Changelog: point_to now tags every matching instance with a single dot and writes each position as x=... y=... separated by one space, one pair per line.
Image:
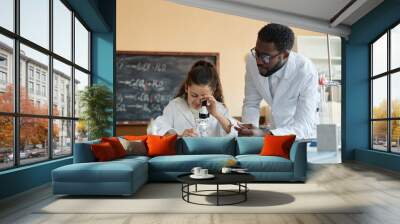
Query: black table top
x=220 y=178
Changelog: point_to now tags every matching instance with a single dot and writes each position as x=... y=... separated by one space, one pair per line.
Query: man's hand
x=245 y=129
x=189 y=133
x=249 y=130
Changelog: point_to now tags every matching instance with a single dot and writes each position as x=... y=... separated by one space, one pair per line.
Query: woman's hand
x=211 y=105
x=189 y=133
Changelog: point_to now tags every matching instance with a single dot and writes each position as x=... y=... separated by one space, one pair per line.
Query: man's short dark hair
x=282 y=36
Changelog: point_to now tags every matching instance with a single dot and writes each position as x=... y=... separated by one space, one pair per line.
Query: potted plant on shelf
x=96 y=104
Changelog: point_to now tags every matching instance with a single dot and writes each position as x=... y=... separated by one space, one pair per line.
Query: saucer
x=208 y=176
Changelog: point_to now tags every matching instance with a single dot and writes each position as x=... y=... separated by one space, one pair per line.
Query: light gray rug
x=166 y=198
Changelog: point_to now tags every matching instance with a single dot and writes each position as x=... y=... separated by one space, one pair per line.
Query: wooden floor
x=377 y=188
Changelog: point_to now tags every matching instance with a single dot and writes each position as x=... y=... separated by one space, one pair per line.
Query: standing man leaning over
x=287 y=81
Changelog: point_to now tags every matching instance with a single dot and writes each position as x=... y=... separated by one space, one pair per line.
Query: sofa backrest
x=206 y=145
x=83 y=153
x=249 y=145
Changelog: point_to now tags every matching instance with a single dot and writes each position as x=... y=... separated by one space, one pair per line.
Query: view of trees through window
x=385 y=92
x=40 y=82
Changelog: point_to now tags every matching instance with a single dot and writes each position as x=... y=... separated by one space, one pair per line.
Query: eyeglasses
x=265 y=58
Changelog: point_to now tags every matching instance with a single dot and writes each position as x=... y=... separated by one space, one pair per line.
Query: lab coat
x=177 y=117
x=294 y=105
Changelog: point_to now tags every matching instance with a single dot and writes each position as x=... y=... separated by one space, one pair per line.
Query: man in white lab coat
x=287 y=81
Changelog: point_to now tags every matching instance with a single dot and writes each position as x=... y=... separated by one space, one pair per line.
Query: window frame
x=388 y=74
x=16 y=114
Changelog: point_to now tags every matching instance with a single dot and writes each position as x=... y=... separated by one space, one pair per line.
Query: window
x=37 y=74
x=6 y=73
x=62 y=31
x=34 y=21
x=81 y=45
x=6 y=142
x=3 y=73
x=3 y=61
x=40 y=82
x=44 y=77
x=385 y=94
x=30 y=72
x=30 y=87
x=38 y=89
x=43 y=90
x=81 y=81
x=7 y=14
x=62 y=74
x=3 y=78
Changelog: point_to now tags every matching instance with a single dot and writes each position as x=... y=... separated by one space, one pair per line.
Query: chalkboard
x=147 y=81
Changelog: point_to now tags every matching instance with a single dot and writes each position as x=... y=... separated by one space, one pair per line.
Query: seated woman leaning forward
x=182 y=113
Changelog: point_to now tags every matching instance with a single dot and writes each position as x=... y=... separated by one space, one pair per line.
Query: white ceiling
x=314 y=15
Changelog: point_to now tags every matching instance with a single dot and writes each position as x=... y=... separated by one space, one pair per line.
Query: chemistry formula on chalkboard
x=147 y=81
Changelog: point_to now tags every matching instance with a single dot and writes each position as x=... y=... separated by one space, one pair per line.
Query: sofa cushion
x=103 y=152
x=185 y=163
x=116 y=145
x=257 y=163
x=207 y=145
x=135 y=137
x=249 y=145
x=130 y=158
x=277 y=145
x=111 y=171
x=161 y=145
x=134 y=147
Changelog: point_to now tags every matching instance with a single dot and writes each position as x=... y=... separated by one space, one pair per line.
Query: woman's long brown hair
x=203 y=73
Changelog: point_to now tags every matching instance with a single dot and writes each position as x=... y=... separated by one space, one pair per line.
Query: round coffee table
x=238 y=179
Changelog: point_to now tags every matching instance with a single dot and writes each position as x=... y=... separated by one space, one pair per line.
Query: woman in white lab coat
x=179 y=116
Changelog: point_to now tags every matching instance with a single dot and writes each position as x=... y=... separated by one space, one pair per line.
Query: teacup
x=203 y=172
x=226 y=170
x=196 y=170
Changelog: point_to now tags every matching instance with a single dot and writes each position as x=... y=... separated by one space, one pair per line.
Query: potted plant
x=96 y=104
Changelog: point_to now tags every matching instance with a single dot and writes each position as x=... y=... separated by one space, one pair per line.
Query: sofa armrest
x=83 y=152
x=298 y=155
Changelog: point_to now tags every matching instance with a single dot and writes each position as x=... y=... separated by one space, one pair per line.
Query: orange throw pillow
x=161 y=145
x=277 y=145
x=103 y=151
x=116 y=145
x=134 y=138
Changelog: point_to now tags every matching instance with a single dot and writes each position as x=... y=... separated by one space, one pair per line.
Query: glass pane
x=33 y=139
x=7 y=14
x=62 y=29
x=81 y=45
x=336 y=57
x=81 y=81
x=395 y=94
x=6 y=142
x=379 y=98
x=395 y=47
x=62 y=89
x=395 y=136
x=379 y=135
x=62 y=138
x=6 y=74
x=81 y=131
x=379 y=55
x=34 y=97
x=35 y=21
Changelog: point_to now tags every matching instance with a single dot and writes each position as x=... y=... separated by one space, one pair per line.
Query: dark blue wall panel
x=356 y=85
x=24 y=178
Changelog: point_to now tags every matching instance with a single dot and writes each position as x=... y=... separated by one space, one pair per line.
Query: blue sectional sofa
x=125 y=176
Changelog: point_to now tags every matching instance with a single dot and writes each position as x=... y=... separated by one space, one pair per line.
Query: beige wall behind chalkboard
x=159 y=25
